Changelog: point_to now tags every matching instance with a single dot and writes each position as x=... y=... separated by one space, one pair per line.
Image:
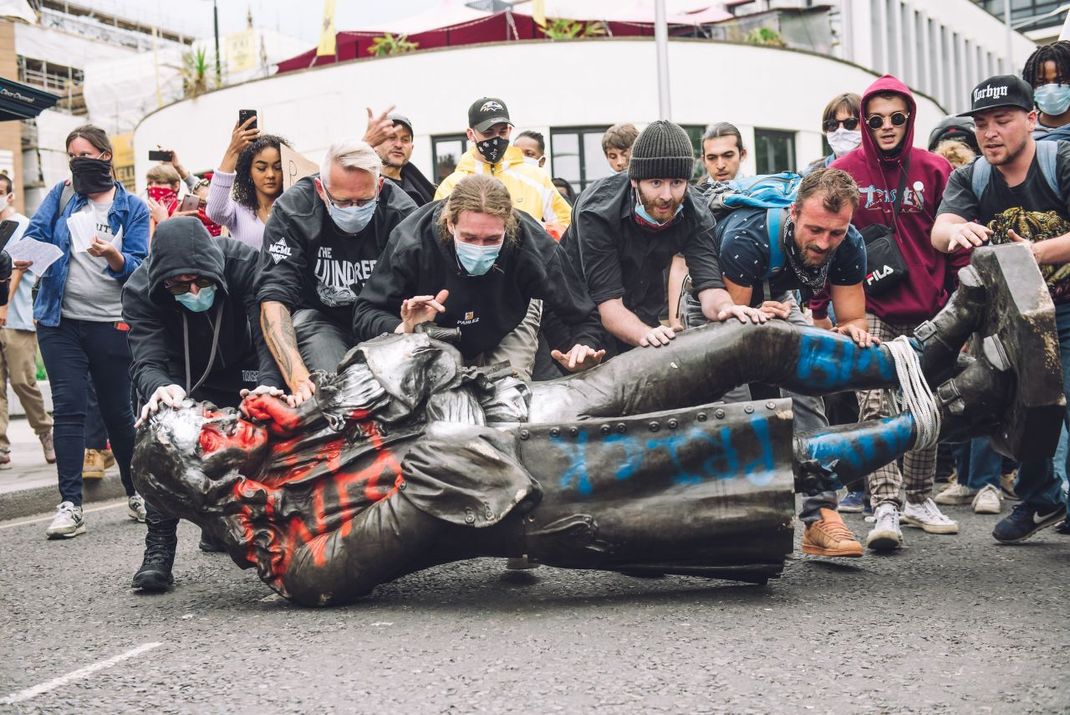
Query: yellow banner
x=328 y=45
x=538 y=12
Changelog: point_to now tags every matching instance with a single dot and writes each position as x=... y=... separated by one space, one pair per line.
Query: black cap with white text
x=1003 y=90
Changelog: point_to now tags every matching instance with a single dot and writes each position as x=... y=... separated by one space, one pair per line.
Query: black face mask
x=493 y=149
x=91 y=176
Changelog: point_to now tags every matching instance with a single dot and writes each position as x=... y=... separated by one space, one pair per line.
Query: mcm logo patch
x=279 y=250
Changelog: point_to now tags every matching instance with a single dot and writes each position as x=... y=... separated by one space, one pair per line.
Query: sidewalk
x=30 y=486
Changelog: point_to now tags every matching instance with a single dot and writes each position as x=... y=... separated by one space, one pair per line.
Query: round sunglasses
x=850 y=124
x=877 y=121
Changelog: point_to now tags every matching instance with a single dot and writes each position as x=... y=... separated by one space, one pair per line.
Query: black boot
x=154 y=575
x=209 y=544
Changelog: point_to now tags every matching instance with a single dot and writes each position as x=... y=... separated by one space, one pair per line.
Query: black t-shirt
x=308 y=262
x=743 y=253
x=1033 y=194
x=620 y=259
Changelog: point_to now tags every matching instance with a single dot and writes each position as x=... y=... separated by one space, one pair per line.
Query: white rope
x=917 y=398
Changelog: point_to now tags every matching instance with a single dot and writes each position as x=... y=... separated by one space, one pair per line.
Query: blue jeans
x=96 y=437
x=74 y=352
x=977 y=464
x=1038 y=486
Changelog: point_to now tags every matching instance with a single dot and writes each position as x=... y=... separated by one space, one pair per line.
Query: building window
x=774 y=151
x=694 y=133
x=576 y=156
x=446 y=152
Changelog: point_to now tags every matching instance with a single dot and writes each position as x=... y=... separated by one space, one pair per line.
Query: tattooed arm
x=282 y=342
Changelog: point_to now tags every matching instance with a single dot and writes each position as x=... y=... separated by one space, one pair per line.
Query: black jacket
x=619 y=259
x=308 y=262
x=415 y=184
x=486 y=308
x=183 y=246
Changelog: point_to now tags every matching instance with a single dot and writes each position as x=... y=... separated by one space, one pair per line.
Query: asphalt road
x=950 y=624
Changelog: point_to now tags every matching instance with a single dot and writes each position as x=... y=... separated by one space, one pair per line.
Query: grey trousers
x=808 y=411
x=321 y=341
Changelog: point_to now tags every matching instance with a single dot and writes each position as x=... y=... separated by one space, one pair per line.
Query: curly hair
x=244 y=192
x=1057 y=52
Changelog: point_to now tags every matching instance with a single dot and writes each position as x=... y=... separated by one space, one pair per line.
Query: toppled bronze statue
x=405 y=458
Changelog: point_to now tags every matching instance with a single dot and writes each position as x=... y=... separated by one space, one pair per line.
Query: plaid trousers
x=919 y=466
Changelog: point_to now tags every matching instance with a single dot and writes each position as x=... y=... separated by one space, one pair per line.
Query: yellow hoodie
x=529 y=186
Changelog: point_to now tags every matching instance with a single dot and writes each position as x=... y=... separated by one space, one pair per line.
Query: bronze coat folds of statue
x=405 y=458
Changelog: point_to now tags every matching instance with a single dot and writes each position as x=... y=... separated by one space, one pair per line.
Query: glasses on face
x=346 y=203
x=876 y=121
x=176 y=287
x=850 y=124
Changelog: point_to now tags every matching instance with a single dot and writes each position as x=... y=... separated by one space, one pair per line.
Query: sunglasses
x=180 y=287
x=877 y=121
x=850 y=124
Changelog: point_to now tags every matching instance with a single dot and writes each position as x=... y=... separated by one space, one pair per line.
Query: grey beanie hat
x=662 y=151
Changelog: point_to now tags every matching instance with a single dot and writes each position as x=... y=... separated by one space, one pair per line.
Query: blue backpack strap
x=982 y=172
x=774 y=222
x=1047 y=153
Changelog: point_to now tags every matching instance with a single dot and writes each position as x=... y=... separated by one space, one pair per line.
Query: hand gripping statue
x=406 y=459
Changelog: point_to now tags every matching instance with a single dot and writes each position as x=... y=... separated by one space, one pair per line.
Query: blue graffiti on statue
x=871 y=444
x=831 y=363
x=620 y=457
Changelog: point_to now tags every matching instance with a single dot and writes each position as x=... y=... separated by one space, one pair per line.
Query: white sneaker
x=956 y=494
x=988 y=501
x=927 y=517
x=135 y=508
x=67 y=523
x=885 y=535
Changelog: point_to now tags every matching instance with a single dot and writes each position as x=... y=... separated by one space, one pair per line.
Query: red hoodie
x=923 y=292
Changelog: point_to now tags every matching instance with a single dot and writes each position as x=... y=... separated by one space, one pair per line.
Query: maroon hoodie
x=923 y=292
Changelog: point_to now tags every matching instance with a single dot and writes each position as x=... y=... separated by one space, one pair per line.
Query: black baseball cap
x=1004 y=90
x=401 y=119
x=486 y=112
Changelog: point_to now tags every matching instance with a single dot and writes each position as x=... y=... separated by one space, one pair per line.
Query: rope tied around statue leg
x=914 y=394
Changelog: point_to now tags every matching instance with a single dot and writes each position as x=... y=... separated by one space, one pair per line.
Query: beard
x=661 y=210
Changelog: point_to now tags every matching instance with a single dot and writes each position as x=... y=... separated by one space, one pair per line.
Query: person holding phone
x=247 y=182
x=78 y=311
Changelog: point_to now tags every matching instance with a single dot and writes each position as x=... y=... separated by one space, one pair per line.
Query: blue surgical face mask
x=354 y=218
x=642 y=213
x=477 y=260
x=1052 y=99
x=200 y=302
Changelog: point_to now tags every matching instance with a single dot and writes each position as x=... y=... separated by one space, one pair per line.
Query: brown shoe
x=830 y=537
x=93 y=465
x=48 y=447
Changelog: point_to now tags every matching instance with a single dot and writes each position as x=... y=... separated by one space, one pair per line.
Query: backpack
x=1047 y=152
x=65 y=197
x=772 y=192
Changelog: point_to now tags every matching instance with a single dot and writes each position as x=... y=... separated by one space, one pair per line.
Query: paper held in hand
x=82 y=228
x=42 y=254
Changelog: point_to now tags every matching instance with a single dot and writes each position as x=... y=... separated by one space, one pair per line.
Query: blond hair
x=956 y=152
x=163 y=174
x=480 y=194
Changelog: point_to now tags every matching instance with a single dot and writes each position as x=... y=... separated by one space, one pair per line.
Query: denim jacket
x=49 y=224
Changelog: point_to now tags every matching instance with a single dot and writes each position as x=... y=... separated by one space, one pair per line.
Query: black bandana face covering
x=493 y=149
x=91 y=176
x=813 y=278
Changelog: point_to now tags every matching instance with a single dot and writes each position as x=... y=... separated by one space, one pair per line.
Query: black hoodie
x=308 y=262
x=182 y=246
x=485 y=308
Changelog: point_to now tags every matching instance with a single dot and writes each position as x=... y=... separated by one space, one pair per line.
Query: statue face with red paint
x=220 y=439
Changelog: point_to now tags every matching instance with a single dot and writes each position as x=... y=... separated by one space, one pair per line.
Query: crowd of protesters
x=218 y=286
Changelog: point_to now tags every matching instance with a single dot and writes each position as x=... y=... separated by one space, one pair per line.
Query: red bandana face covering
x=162 y=195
